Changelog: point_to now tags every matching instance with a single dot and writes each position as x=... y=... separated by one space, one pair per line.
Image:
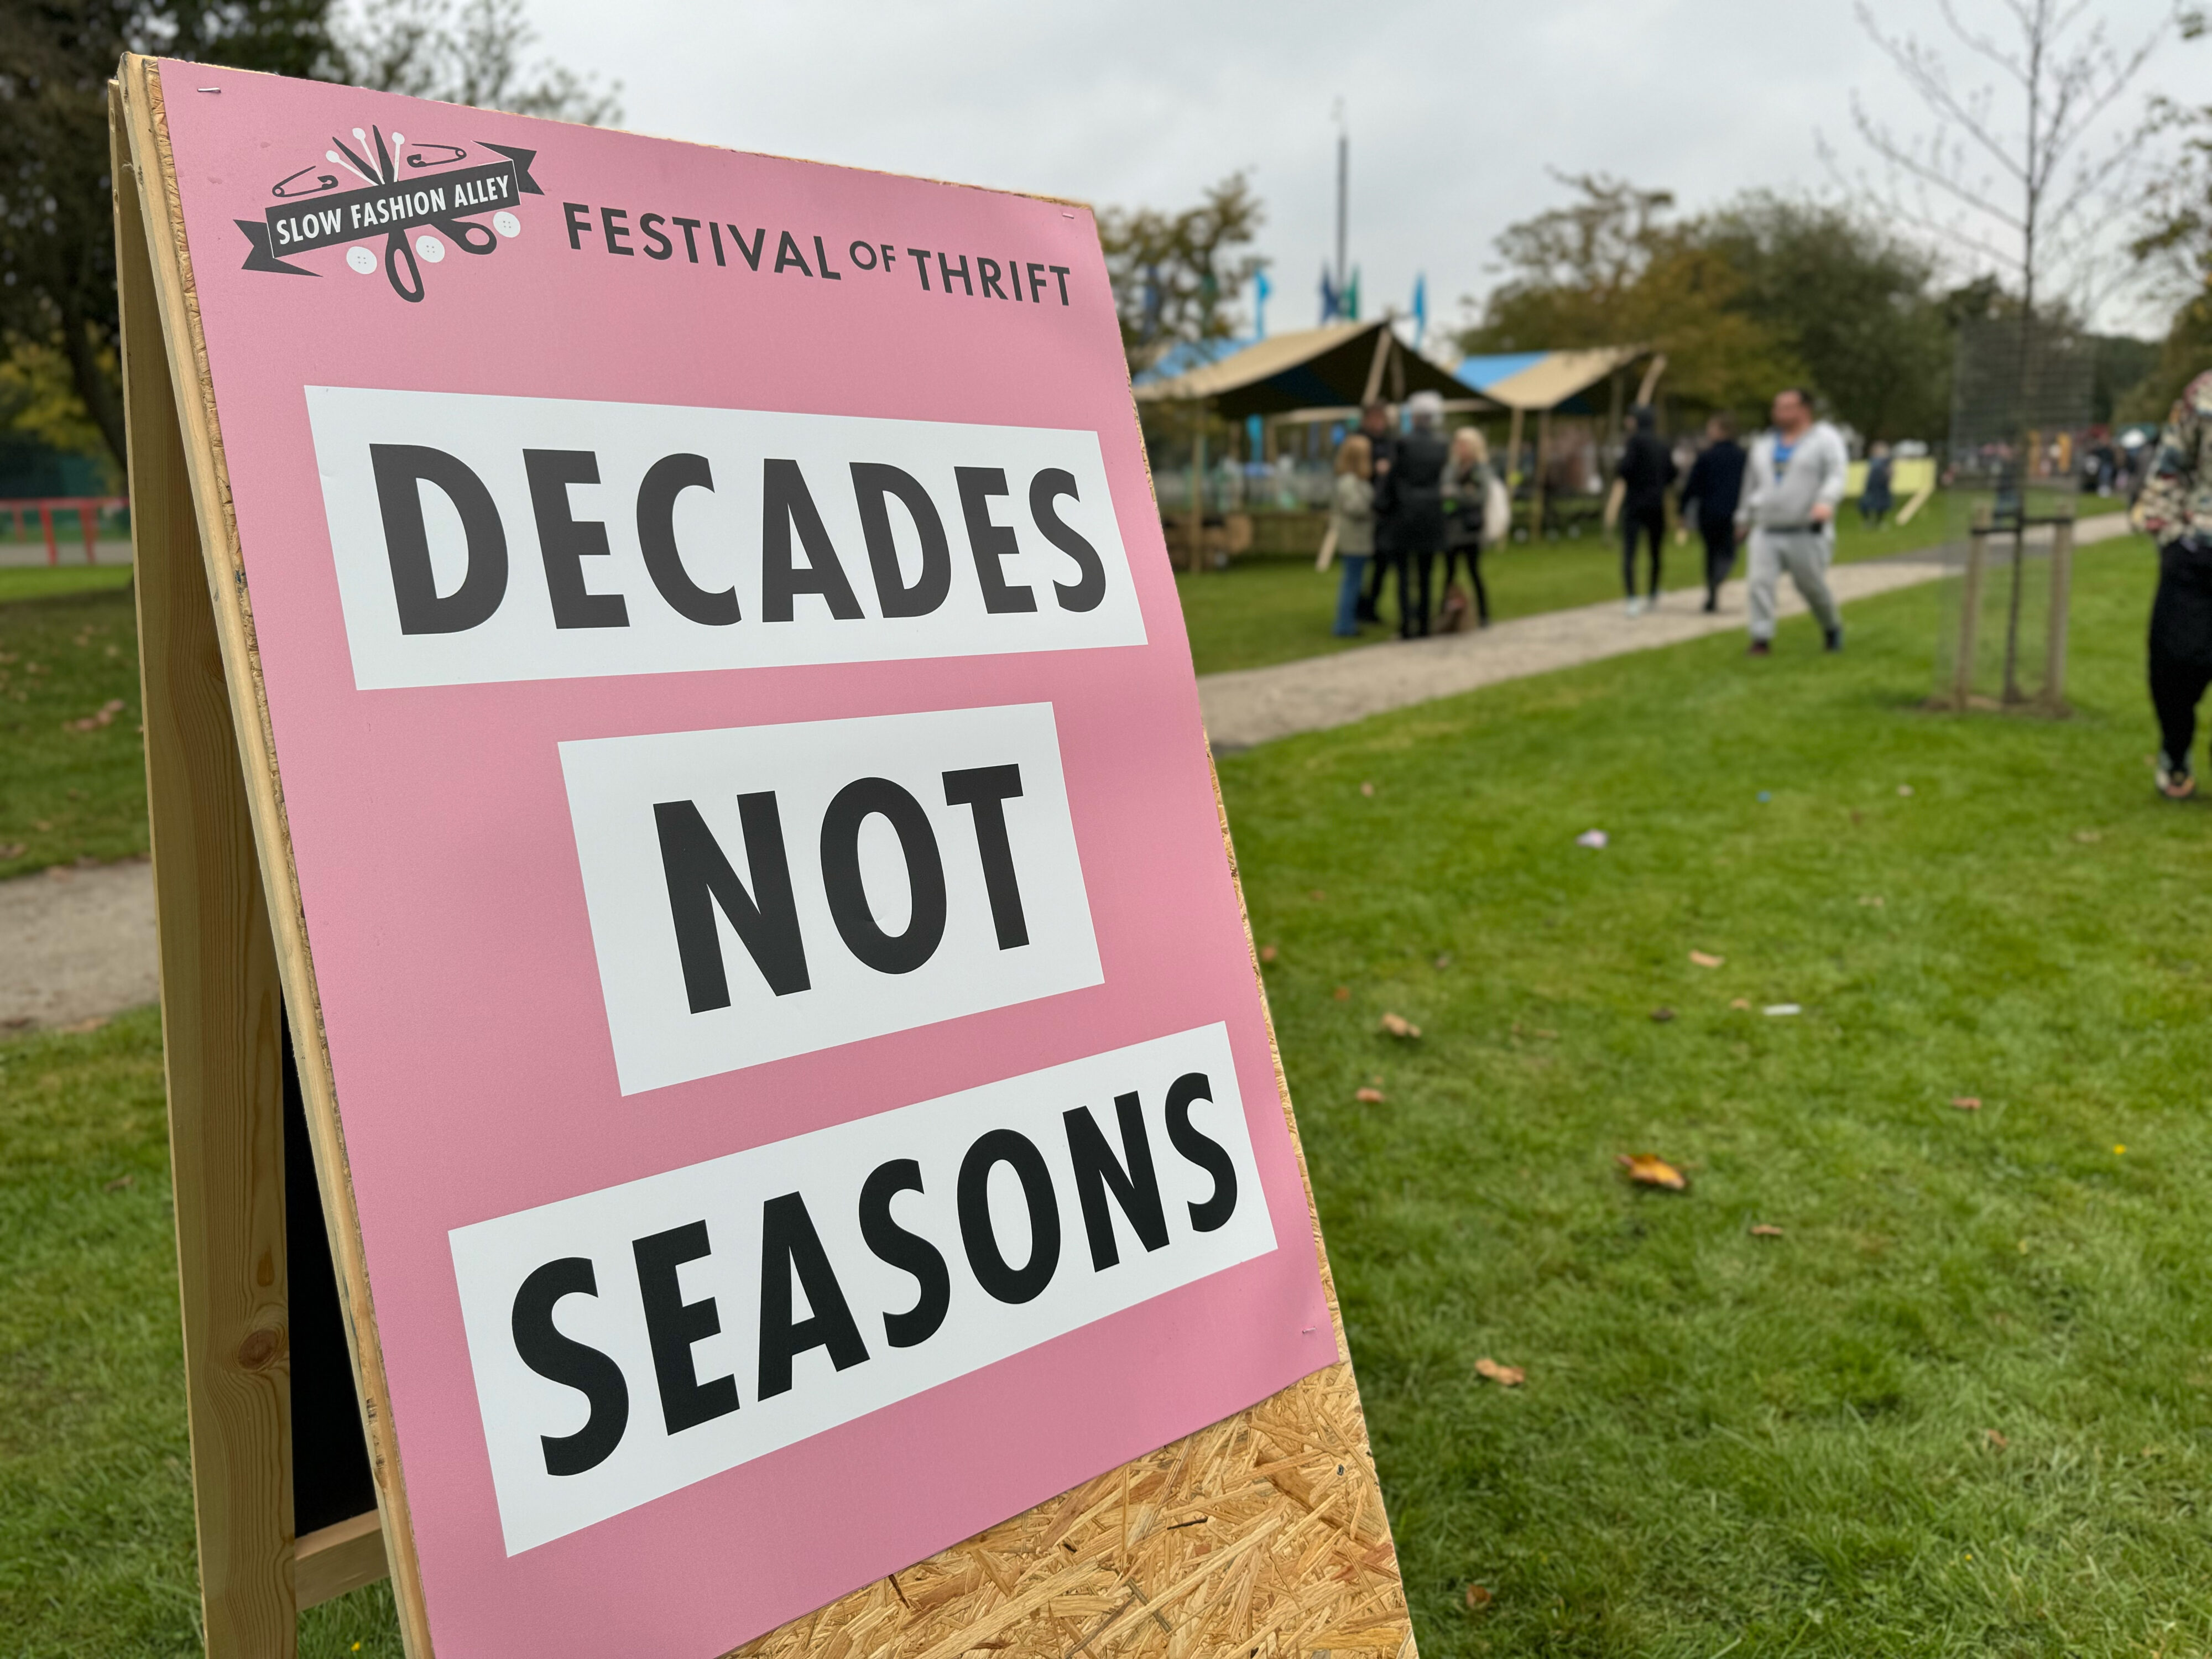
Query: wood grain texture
x=1264 y=1535
x=169 y=258
x=220 y=1018
x=331 y=1560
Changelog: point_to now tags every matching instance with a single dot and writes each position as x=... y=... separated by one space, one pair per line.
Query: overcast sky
x=1459 y=114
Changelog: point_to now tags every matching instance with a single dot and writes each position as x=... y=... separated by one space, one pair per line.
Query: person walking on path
x=2175 y=510
x=1466 y=500
x=1789 y=514
x=1377 y=426
x=1714 y=488
x=1645 y=468
x=1351 y=515
x=1416 y=511
x=1875 y=497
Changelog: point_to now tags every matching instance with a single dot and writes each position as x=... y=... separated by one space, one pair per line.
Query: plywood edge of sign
x=153 y=166
x=1264 y=1535
x=222 y=1015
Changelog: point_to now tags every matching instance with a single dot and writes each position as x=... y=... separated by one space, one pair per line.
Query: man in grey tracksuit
x=1788 y=512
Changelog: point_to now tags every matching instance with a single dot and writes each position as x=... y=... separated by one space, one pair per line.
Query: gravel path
x=78 y=944
x=1254 y=705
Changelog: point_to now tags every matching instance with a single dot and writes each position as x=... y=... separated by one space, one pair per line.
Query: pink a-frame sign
x=801 y=1078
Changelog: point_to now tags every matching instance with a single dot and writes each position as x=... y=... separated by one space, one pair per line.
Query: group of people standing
x=1402 y=500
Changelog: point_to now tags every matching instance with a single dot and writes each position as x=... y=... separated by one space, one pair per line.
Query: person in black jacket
x=1716 y=484
x=1417 y=510
x=1382 y=434
x=1645 y=468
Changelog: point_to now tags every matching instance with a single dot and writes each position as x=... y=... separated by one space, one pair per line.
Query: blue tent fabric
x=1484 y=372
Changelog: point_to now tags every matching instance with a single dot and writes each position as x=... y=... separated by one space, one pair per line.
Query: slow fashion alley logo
x=415 y=203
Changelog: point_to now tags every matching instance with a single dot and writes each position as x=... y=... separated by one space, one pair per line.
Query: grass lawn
x=1264 y=611
x=67 y=792
x=1961 y=1406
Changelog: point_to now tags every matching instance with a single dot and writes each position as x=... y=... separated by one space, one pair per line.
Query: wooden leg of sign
x=251 y=753
x=221 y=1022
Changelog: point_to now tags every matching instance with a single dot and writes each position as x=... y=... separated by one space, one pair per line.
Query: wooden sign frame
x=1263 y=1534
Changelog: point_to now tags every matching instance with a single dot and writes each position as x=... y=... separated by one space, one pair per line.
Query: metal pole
x=1197 y=486
x=1343 y=193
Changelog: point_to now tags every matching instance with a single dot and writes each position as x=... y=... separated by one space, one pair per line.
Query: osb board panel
x=1264 y=1535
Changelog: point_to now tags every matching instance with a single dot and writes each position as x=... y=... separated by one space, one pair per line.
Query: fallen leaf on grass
x=1506 y=1377
x=104 y=716
x=1997 y=1440
x=1444 y=961
x=13 y=849
x=1662 y=1015
x=1317 y=896
x=1742 y=1002
x=1967 y=1102
x=1344 y=994
x=1398 y=1026
x=2089 y=837
x=1548 y=1036
x=1592 y=839
x=1904 y=788
x=1367 y=789
x=1477 y=1598
x=1874 y=901
x=1368 y=1096
x=1705 y=959
x=1649 y=1170
x=120 y=1183
x=1267 y=953
x=1766 y=1229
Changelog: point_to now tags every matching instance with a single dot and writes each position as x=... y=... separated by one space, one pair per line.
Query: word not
x=770 y=890
x=488 y=539
x=630 y=1341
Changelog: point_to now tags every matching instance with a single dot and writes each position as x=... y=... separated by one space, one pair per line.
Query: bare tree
x=2019 y=165
x=465 y=51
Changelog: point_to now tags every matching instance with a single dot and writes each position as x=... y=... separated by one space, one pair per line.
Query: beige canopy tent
x=1542 y=381
x=1314 y=375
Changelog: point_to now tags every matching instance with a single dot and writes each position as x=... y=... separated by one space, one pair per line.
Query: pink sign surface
x=806 y=1094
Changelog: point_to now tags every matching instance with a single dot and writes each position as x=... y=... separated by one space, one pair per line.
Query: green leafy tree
x=1177 y=276
x=1855 y=303
x=1610 y=268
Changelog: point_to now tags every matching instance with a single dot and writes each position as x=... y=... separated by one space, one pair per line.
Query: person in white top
x=1789 y=515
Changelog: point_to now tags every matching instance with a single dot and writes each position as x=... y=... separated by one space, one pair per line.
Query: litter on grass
x=1782 y=1010
x=1506 y=1377
x=1398 y=1026
x=1592 y=839
x=1704 y=959
x=1649 y=1170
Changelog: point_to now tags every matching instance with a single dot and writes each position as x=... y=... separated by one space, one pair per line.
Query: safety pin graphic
x=449 y=154
x=323 y=182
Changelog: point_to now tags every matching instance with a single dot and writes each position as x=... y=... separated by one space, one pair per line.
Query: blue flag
x=1329 y=297
x=1261 y=289
x=1420 y=308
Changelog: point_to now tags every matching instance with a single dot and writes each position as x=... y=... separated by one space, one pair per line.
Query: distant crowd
x=1407 y=500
